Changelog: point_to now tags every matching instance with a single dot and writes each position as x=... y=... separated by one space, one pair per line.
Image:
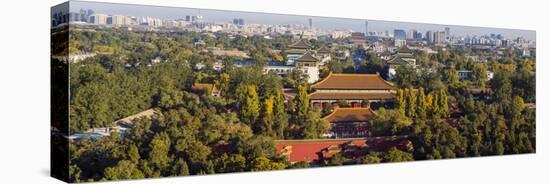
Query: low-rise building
x=356 y=90
x=349 y=122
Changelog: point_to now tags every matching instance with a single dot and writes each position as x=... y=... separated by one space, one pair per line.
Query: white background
x=24 y=90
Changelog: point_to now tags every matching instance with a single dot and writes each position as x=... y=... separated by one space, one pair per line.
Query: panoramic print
x=148 y=91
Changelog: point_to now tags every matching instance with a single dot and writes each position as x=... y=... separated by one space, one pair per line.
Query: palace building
x=302 y=56
x=403 y=57
x=349 y=122
x=320 y=151
x=314 y=150
x=356 y=90
x=297 y=50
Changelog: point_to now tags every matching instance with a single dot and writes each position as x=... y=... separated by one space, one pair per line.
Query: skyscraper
x=417 y=35
x=100 y=19
x=399 y=34
x=448 y=33
x=429 y=36
x=310 y=23
x=439 y=37
x=238 y=21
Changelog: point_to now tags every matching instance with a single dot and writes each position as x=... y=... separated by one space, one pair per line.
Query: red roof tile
x=309 y=150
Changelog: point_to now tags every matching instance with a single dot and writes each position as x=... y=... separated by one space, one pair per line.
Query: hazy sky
x=273 y=19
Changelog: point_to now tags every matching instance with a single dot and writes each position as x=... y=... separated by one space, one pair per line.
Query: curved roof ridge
x=321 y=81
x=348 y=108
x=353 y=81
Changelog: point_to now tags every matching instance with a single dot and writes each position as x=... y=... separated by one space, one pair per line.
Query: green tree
x=400 y=103
x=159 y=154
x=125 y=169
x=232 y=163
x=479 y=75
x=421 y=107
x=280 y=116
x=265 y=125
x=336 y=159
x=250 y=108
x=396 y=155
x=335 y=66
x=180 y=168
x=442 y=103
x=264 y=164
x=501 y=84
x=451 y=77
x=410 y=103
x=302 y=105
x=372 y=158
x=314 y=126
x=133 y=153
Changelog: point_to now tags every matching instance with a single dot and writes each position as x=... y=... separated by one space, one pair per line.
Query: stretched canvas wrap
x=147 y=91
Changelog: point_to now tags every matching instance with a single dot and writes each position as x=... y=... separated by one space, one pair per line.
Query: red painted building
x=349 y=122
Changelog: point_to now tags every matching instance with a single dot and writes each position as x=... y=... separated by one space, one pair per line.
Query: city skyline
x=325 y=23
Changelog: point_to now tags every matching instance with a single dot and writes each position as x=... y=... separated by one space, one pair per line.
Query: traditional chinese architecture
x=307 y=60
x=297 y=50
x=349 y=122
x=403 y=57
x=318 y=151
x=302 y=56
x=356 y=90
x=313 y=150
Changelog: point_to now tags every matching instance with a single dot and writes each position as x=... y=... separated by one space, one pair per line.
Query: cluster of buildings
x=302 y=56
x=353 y=98
x=90 y=17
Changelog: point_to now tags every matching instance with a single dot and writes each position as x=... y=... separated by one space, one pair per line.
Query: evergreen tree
x=159 y=154
x=410 y=101
x=314 y=126
x=302 y=105
x=265 y=125
x=280 y=121
x=421 y=107
x=123 y=170
x=400 y=104
x=429 y=105
x=442 y=103
x=250 y=108
x=396 y=155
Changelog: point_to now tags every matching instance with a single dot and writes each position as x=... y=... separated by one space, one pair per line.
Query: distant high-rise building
x=310 y=23
x=448 y=33
x=430 y=36
x=109 y=20
x=238 y=21
x=120 y=20
x=417 y=35
x=83 y=15
x=399 y=34
x=90 y=12
x=188 y=18
x=410 y=35
x=100 y=19
x=439 y=37
x=74 y=17
x=366 y=28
